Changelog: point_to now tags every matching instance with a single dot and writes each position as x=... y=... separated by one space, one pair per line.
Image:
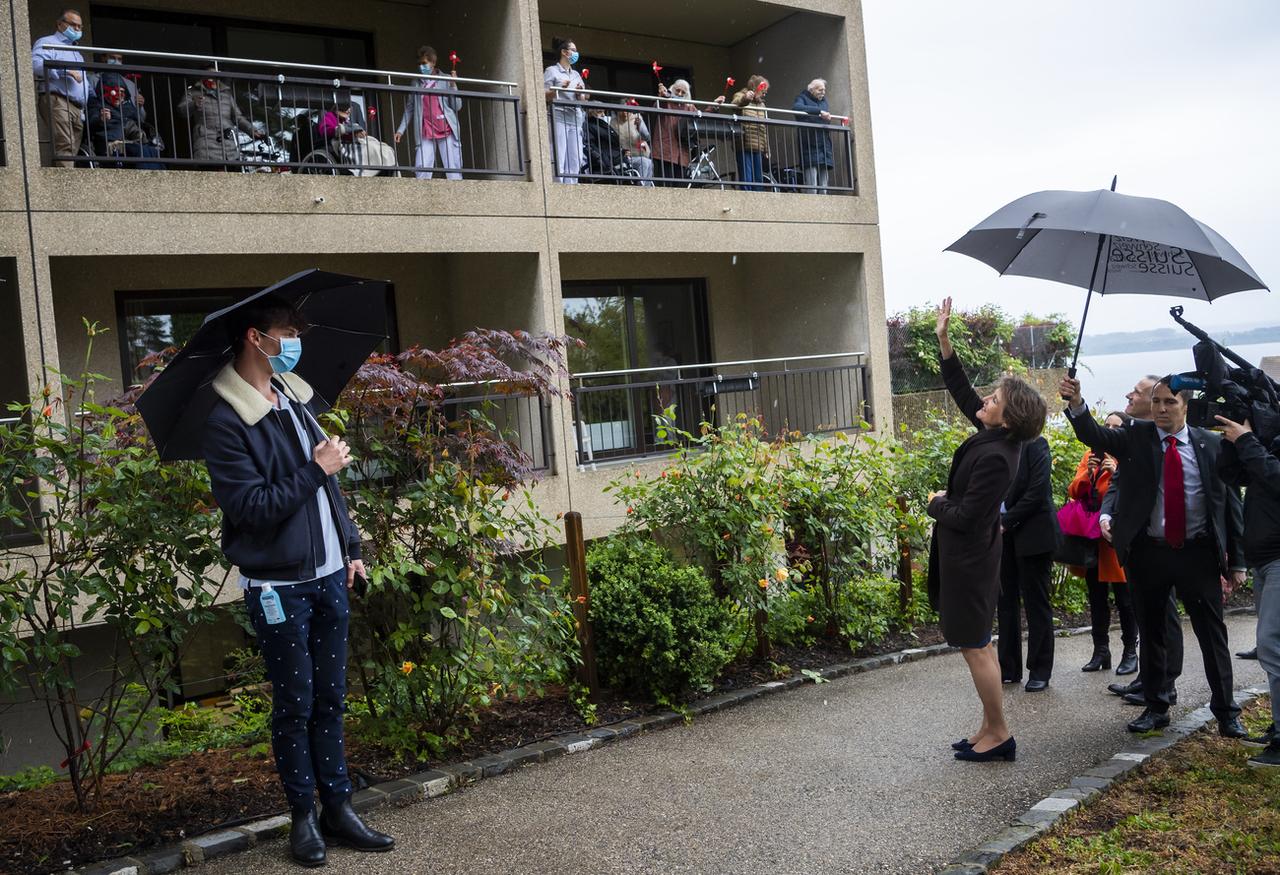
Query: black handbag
x=1075 y=550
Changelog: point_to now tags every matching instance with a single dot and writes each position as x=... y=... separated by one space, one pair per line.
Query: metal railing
x=618 y=414
x=699 y=144
x=522 y=418
x=162 y=110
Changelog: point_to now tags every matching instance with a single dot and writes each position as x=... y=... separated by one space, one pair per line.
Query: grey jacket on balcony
x=212 y=112
x=411 y=118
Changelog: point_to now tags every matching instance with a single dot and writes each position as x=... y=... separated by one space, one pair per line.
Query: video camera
x=1240 y=393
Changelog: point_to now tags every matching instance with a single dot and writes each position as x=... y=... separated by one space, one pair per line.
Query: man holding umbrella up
x=1177 y=526
x=286 y=526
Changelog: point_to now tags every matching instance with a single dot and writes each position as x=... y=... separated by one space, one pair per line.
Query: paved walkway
x=854 y=775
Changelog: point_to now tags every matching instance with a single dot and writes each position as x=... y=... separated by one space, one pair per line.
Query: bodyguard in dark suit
x=1031 y=534
x=1176 y=525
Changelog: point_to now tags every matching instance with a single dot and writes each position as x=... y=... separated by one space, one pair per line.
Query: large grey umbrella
x=1152 y=247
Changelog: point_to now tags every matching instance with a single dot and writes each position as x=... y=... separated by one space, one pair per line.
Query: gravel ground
x=854 y=775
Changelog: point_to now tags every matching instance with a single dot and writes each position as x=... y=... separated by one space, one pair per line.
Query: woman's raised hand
x=944 y=322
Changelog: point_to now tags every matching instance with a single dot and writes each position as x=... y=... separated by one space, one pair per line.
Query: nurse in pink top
x=432 y=120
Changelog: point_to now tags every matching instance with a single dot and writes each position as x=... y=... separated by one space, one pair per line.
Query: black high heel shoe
x=1101 y=659
x=962 y=744
x=1006 y=750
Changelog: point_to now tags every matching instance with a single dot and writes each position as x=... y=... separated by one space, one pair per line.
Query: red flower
x=453 y=58
x=586 y=72
x=729 y=83
x=657 y=68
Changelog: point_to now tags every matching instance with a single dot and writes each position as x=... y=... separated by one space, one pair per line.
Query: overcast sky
x=976 y=104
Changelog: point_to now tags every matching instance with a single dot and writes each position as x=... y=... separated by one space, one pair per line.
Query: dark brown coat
x=964 y=556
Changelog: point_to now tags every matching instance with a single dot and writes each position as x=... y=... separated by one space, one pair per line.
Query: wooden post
x=905 y=583
x=575 y=554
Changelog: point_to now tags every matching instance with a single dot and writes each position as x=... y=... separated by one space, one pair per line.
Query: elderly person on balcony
x=566 y=121
x=432 y=118
x=210 y=107
x=676 y=137
x=633 y=133
x=116 y=126
x=347 y=139
x=64 y=91
x=816 y=157
x=753 y=147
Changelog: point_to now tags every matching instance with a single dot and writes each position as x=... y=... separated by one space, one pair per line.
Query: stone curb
x=1037 y=819
x=445 y=779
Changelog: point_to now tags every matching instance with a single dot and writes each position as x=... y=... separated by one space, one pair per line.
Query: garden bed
x=40 y=830
x=1197 y=808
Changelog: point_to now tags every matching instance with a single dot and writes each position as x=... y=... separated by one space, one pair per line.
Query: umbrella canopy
x=1109 y=243
x=348 y=319
x=1152 y=246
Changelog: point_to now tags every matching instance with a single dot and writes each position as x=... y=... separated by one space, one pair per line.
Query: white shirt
x=333 y=561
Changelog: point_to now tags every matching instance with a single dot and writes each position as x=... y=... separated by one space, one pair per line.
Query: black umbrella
x=348 y=319
x=1151 y=247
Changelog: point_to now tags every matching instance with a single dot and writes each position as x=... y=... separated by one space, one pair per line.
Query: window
x=150 y=322
x=646 y=327
x=196 y=34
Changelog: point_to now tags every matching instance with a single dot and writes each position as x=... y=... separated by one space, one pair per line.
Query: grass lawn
x=1196 y=808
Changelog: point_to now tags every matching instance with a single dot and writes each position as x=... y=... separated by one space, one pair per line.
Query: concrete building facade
x=772 y=277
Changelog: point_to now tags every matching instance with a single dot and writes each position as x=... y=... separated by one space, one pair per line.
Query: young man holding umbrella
x=286 y=526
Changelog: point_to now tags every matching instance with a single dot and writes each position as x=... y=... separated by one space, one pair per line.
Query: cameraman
x=1246 y=462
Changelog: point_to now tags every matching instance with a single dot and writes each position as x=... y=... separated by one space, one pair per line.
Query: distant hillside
x=1172 y=338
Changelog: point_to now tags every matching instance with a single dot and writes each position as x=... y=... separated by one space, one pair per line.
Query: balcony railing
x=702 y=144
x=166 y=111
x=617 y=414
x=522 y=418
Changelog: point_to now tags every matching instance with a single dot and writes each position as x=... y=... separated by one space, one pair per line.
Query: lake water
x=1106 y=379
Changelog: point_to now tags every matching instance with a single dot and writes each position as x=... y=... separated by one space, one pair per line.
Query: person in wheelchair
x=603 y=151
x=117 y=126
x=347 y=141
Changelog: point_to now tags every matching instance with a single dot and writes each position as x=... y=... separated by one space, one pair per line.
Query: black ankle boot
x=1101 y=659
x=340 y=825
x=306 y=845
x=1128 y=662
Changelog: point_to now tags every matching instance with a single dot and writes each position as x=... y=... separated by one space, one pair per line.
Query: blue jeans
x=750 y=168
x=306 y=660
x=1266 y=585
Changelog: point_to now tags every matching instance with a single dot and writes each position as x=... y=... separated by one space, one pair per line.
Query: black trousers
x=1154 y=570
x=1100 y=612
x=1024 y=582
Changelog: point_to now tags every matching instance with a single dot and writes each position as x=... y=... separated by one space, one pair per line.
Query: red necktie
x=1175 y=498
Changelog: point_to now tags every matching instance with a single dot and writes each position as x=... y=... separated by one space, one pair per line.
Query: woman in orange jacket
x=1092 y=480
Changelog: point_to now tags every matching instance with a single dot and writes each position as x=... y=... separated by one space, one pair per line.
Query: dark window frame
x=219 y=24
x=610 y=67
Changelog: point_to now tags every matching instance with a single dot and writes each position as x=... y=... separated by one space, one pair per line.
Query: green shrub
x=796 y=618
x=867 y=610
x=460 y=610
x=660 y=630
x=30 y=778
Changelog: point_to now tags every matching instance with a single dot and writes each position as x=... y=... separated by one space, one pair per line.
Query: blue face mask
x=287 y=359
x=573 y=58
x=424 y=69
x=72 y=34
